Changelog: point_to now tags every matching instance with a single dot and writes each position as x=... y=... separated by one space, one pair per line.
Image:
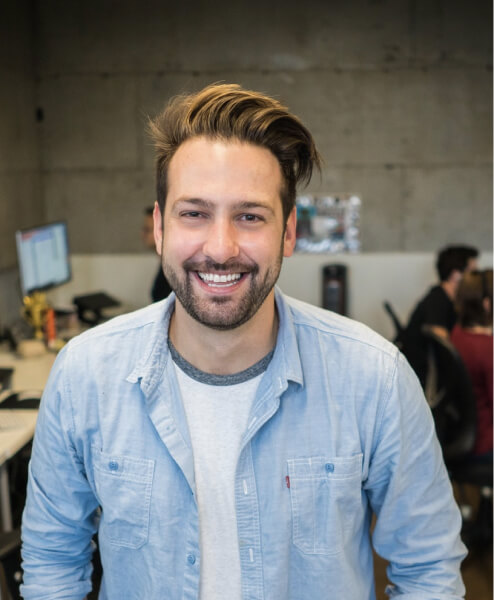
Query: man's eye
x=251 y=218
x=191 y=214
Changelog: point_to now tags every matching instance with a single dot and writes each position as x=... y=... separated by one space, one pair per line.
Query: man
x=437 y=308
x=237 y=441
x=161 y=288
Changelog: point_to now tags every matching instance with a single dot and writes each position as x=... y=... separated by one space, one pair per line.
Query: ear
x=290 y=233
x=455 y=276
x=158 y=228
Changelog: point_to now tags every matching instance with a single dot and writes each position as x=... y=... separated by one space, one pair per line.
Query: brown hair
x=474 y=288
x=227 y=111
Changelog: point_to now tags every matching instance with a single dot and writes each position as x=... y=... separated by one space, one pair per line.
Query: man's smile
x=214 y=278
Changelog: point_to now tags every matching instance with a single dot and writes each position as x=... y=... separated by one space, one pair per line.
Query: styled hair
x=226 y=112
x=454 y=258
x=474 y=288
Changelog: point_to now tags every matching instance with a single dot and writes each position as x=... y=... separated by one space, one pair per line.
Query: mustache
x=206 y=266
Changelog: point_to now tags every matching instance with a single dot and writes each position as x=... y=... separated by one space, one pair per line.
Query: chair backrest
x=399 y=329
x=10 y=564
x=449 y=392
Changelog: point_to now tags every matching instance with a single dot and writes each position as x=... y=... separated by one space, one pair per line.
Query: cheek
x=265 y=251
x=179 y=246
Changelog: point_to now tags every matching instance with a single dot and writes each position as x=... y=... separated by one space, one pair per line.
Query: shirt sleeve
x=59 y=518
x=418 y=522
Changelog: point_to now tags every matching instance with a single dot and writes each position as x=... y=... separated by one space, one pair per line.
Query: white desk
x=30 y=376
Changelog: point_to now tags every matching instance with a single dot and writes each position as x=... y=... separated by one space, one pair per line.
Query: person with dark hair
x=437 y=307
x=161 y=288
x=230 y=442
x=473 y=339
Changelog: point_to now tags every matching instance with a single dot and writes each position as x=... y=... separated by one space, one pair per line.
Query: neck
x=225 y=352
x=450 y=287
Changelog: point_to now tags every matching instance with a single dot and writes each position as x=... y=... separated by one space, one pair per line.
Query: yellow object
x=34 y=310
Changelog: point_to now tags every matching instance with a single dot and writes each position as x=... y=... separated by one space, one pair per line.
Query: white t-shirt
x=217 y=409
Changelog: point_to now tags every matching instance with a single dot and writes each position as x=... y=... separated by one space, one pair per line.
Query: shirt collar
x=287 y=356
x=151 y=365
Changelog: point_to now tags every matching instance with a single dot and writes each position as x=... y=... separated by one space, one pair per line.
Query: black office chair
x=10 y=565
x=449 y=392
x=399 y=328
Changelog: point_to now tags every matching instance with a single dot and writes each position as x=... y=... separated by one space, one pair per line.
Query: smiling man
x=230 y=443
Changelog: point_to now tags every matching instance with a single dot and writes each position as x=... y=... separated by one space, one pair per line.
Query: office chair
x=399 y=329
x=449 y=392
x=10 y=564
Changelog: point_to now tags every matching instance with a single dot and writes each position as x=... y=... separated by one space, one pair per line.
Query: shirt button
x=191 y=559
x=113 y=465
x=329 y=467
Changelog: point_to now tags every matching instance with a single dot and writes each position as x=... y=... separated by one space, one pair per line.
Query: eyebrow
x=242 y=205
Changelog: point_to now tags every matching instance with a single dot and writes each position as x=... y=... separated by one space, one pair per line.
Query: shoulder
x=121 y=325
x=439 y=296
x=333 y=329
x=123 y=339
x=434 y=294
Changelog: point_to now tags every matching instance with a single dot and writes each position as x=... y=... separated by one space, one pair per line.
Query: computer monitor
x=43 y=256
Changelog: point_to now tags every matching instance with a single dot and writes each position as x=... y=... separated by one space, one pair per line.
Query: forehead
x=223 y=169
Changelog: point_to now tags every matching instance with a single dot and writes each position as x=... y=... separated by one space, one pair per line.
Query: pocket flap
x=119 y=465
x=319 y=467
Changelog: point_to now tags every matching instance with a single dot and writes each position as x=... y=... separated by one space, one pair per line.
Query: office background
x=398 y=94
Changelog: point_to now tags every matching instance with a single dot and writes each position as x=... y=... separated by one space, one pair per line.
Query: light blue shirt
x=339 y=430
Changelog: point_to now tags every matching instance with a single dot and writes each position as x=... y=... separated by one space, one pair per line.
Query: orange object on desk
x=50 y=326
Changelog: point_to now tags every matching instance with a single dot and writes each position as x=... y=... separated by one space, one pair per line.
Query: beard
x=222 y=312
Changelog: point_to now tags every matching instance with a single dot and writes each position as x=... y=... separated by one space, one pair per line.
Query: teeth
x=215 y=278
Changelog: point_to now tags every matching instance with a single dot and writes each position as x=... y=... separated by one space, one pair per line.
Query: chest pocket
x=123 y=485
x=325 y=494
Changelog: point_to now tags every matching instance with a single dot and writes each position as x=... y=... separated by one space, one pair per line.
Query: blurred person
x=437 y=307
x=161 y=288
x=230 y=442
x=472 y=337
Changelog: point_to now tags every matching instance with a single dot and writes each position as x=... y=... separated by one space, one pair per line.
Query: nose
x=221 y=243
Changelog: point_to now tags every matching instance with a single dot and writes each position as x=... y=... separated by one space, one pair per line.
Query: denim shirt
x=339 y=430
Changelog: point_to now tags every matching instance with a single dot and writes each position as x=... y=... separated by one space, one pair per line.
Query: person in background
x=437 y=307
x=161 y=288
x=472 y=337
x=231 y=443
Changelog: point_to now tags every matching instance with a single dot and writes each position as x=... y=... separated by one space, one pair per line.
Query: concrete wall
x=397 y=93
x=20 y=178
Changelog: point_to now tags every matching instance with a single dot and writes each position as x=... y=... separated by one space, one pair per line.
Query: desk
x=30 y=375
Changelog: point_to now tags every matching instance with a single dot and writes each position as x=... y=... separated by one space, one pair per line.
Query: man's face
x=224 y=233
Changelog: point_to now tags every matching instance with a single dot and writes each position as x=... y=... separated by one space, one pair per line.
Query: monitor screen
x=43 y=256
